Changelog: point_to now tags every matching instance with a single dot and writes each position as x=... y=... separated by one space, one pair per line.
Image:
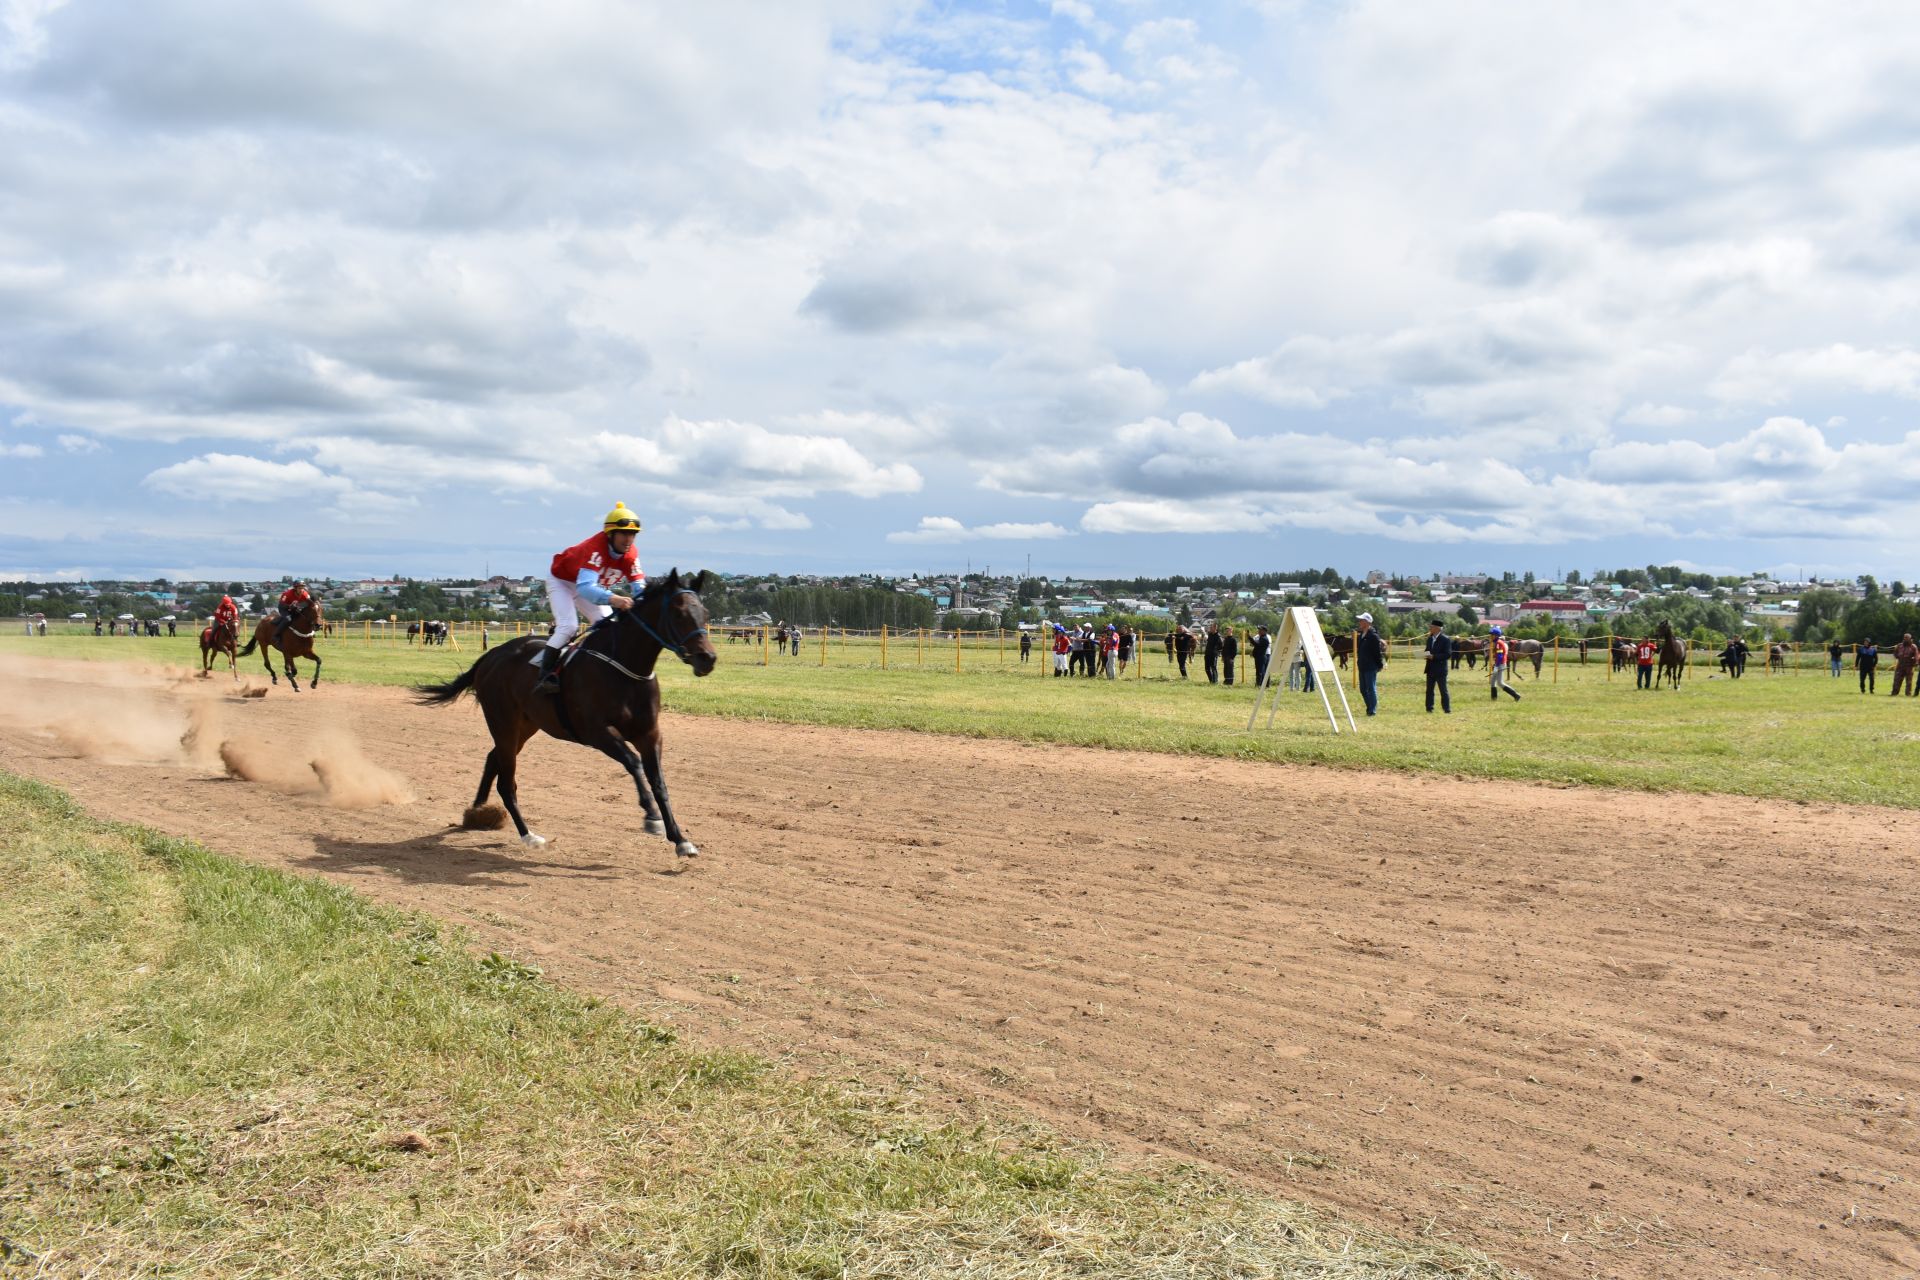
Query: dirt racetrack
x=1593 y=1033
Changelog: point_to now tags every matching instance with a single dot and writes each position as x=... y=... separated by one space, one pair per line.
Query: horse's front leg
x=650 y=761
x=314 y=683
x=611 y=743
x=293 y=672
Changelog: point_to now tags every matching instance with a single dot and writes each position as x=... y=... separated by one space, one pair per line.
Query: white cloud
x=80 y=444
x=227 y=477
x=948 y=529
x=933 y=247
x=743 y=457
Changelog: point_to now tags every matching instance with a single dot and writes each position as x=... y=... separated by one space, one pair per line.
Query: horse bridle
x=672 y=643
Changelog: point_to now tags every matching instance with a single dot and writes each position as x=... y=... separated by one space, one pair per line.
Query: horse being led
x=609 y=698
x=1673 y=657
x=217 y=639
x=295 y=641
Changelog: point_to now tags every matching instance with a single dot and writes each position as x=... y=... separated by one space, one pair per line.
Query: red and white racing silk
x=595 y=554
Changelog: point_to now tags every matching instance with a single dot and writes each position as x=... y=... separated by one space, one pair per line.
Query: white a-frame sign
x=1300 y=634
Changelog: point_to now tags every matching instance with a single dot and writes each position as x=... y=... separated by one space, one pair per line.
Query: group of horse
x=293 y=641
x=609 y=698
x=428 y=632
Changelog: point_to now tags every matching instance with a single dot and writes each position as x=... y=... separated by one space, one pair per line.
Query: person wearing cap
x=1062 y=646
x=1229 y=650
x=1110 y=651
x=582 y=579
x=1497 y=654
x=1370 y=658
x=1261 y=646
x=1439 y=660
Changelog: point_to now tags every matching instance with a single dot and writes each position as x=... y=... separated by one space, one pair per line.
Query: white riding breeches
x=568 y=609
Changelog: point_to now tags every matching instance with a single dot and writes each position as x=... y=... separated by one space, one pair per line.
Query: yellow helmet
x=621 y=518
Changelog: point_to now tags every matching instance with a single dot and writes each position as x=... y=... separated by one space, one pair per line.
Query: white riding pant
x=568 y=608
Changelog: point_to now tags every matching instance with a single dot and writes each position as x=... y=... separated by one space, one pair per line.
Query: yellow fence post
x=1002 y=632
x=766 y=641
x=919 y=646
x=883 y=646
x=956 y=651
x=1556 y=659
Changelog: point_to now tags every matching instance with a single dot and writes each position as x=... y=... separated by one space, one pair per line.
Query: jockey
x=580 y=580
x=293 y=601
x=227 y=614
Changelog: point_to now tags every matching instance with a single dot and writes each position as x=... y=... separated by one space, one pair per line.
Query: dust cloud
x=136 y=715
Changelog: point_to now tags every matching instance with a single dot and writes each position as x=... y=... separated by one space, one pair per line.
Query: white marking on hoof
x=654 y=827
x=686 y=849
x=533 y=841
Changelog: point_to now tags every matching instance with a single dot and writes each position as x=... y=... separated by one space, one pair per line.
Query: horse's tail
x=438 y=695
x=252 y=641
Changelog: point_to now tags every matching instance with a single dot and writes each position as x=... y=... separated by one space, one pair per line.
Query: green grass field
x=1798 y=735
x=213 y=1069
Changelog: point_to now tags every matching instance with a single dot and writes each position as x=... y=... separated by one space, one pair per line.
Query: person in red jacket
x=1062 y=646
x=293 y=602
x=227 y=614
x=1643 y=654
x=582 y=579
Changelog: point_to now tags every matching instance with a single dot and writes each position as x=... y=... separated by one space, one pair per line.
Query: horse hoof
x=654 y=827
x=686 y=849
x=533 y=841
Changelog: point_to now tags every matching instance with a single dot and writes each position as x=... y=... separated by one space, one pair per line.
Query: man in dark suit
x=1370 y=657
x=1439 y=659
x=1262 y=647
x=1229 y=650
x=1212 y=653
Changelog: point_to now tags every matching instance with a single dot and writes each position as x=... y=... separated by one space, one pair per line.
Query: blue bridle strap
x=678 y=650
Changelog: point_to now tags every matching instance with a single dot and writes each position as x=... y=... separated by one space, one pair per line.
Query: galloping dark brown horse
x=216 y=639
x=609 y=698
x=296 y=641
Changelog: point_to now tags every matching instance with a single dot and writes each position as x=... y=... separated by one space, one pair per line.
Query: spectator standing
x=1906 y=655
x=1062 y=647
x=1262 y=648
x=1866 y=660
x=1229 y=650
x=1026 y=645
x=1370 y=658
x=1172 y=637
x=1126 y=648
x=1497 y=655
x=1110 y=651
x=1643 y=656
x=1184 y=644
x=1834 y=654
x=1212 y=653
x=794 y=637
x=1439 y=660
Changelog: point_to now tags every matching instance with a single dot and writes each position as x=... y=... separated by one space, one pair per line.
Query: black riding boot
x=549 y=681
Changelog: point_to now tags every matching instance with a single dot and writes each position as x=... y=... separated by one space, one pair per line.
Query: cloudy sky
x=356 y=287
